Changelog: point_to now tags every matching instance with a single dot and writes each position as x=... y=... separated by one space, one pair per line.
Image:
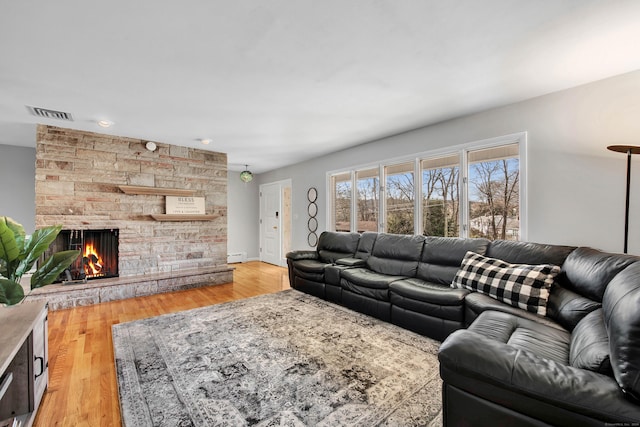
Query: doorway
x=275 y=222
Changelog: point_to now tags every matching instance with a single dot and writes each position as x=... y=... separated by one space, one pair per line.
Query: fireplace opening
x=98 y=254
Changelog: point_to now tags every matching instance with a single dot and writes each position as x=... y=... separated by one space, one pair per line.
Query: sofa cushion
x=620 y=303
x=528 y=253
x=590 y=344
x=519 y=285
x=476 y=303
x=309 y=269
x=365 y=244
x=310 y=266
x=395 y=254
x=524 y=334
x=365 y=282
x=441 y=257
x=589 y=271
x=435 y=293
x=333 y=245
x=367 y=278
x=567 y=307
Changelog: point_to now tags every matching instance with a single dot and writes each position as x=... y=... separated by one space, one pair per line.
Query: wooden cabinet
x=24 y=374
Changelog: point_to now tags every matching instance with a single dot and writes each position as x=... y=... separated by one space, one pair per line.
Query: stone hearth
x=117 y=288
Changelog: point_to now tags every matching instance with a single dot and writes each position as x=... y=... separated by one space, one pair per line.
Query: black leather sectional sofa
x=579 y=364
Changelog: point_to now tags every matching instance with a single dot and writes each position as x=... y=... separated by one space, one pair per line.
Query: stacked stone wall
x=78 y=175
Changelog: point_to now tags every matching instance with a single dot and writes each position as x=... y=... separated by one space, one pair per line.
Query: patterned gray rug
x=284 y=359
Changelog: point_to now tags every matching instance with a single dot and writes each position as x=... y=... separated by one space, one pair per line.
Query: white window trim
x=461 y=149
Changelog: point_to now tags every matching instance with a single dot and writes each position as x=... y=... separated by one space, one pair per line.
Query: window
x=441 y=196
x=368 y=193
x=400 y=198
x=341 y=190
x=473 y=190
x=494 y=193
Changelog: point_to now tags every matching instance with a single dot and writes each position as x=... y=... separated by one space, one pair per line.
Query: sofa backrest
x=333 y=245
x=395 y=254
x=589 y=271
x=441 y=257
x=586 y=275
x=516 y=252
x=620 y=303
x=365 y=245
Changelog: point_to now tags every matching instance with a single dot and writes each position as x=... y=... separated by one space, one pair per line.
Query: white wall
x=576 y=187
x=243 y=213
x=18 y=185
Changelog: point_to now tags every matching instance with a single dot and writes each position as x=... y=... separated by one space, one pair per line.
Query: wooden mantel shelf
x=139 y=189
x=169 y=217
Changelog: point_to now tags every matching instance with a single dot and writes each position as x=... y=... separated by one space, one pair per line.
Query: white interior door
x=270 y=223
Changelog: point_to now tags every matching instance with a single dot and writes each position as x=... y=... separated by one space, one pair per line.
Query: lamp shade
x=246 y=175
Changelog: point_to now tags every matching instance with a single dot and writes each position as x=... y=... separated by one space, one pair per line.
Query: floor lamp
x=629 y=150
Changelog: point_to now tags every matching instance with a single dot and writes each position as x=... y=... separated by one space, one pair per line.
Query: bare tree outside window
x=368 y=188
x=342 y=202
x=494 y=203
x=471 y=192
x=441 y=196
x=400 y=198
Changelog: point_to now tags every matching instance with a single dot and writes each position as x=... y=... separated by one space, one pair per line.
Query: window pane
x=400 y=198
x=368 y=186
x=441 y=196
x=494 y=196
x=342 y=202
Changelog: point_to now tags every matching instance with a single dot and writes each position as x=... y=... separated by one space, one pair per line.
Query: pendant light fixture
x=246 y=175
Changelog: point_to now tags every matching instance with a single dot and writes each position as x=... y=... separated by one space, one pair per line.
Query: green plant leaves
x=39 y=242
x=18 y=233
x=9 y=249
x=18 y=254
x=10 y=292
x=52 y=267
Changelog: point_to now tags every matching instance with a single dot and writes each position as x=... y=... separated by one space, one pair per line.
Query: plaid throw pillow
x=519 y=285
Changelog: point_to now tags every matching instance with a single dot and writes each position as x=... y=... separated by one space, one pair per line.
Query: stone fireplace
x=98 y=254
x=82 y=183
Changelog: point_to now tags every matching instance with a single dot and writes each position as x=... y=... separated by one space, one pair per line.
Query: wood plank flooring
x=82 y=380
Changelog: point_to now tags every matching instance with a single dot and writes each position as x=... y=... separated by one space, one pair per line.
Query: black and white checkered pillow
x=519 y=285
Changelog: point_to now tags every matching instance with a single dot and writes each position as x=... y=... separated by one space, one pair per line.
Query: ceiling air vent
x=50 y=114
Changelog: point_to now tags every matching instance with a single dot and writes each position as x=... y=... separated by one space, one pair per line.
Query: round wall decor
x=312 y=210
x=312 y=194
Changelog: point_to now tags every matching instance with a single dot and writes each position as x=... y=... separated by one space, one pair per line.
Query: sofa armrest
x=298 y=255
x=351 y=262
x=479 y=365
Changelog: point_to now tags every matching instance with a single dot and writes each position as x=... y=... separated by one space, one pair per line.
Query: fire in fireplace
x=98 y=253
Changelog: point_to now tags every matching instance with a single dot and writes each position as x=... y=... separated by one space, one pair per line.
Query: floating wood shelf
x=139 y=189
x=169 y=217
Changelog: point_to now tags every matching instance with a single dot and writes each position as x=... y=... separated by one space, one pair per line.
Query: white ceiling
x=275 y=82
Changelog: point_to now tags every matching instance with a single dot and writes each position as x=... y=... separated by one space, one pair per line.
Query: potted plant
x=18 y=253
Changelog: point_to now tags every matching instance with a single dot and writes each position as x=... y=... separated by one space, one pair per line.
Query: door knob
x=275 y=227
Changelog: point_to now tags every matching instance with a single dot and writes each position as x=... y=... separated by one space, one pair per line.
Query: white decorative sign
x=185 y=205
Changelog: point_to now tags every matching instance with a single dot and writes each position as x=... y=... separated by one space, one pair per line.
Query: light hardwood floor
x=82 y=380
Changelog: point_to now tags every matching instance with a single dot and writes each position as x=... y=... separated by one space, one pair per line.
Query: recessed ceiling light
x=105 y=123
x=205 y=141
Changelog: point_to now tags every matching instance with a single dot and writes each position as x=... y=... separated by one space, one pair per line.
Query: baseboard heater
x=235 y=257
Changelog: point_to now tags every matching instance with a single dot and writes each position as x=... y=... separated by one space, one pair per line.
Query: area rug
x=283 y=359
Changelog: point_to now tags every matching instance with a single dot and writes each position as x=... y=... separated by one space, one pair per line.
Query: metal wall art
x=312 y=210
